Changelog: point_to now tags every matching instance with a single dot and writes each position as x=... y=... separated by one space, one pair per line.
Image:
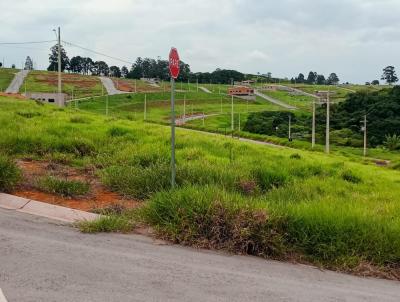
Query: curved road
x=42 y=260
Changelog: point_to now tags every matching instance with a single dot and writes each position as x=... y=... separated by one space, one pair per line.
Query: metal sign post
x=174 y=72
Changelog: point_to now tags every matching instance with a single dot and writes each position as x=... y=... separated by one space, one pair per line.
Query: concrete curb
x=33 y=207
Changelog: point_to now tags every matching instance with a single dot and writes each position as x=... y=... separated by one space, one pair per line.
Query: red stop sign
x=174 y=63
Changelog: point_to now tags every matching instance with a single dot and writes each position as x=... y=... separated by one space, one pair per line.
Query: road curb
x=38 y=208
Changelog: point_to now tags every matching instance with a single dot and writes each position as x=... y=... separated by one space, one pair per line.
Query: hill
x=6 y=76
x=242 y=197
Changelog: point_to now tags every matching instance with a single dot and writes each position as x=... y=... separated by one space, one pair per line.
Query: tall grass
x=10 y=174
x=230 y=195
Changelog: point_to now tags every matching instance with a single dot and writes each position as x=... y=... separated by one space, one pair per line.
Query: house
x=240 y=91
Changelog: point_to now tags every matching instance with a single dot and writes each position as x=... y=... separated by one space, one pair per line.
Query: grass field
x=78 y=85
x=6 y=76
x=245 y=198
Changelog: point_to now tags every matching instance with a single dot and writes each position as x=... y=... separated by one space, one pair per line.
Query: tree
x=87 y=65
x=312 y=77
x=375 y=82
x=76 y=64
x=53 y=59
x=300 y=79
x=124 y=71
x=389 y=74
x=321 y=79
x=100 y=68
x=115 y=71
x=333 y=79
x=28 y=63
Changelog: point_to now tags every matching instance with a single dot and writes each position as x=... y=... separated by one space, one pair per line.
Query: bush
x=63 y=187
x=137 y=182
x=28 y=114
x=349 y=176
x=295 y=156
x=10 y=174
x=268 y=178
x=392 y=142
x=117 y=131
x=80 y=120
x=211 y=217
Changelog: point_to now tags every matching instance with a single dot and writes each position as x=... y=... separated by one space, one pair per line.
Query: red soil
x=73 y=79
x=13 y=95
x=98 y=198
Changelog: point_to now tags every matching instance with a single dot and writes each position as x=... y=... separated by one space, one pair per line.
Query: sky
x=354 y=38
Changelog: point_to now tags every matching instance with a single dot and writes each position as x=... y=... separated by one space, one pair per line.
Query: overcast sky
x=354 y=38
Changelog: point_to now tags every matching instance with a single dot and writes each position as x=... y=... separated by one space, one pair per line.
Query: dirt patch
x=129 y=86
x=13 y=95
x=98 y=198
x=78 y=81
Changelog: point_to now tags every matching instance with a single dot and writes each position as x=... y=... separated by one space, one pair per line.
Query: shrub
x=213 y=218
x=268 y=178
x=117 y=131
x=110 y=223
x=28 y=114
x=9 y=174
x=137 y=182
x=80 y=120
x=63 y=187
x=350 y=176
x=295 y=156
x=392 y=142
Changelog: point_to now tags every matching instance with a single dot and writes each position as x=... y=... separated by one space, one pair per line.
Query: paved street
x=43 y=260
x=17 y=82
x=110 y=87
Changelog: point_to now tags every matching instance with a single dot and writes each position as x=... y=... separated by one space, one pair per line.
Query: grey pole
x=172 y=132
x=59 y=68
x=107 y=105
x=327 y=147
x=221 y=104
x=232 y=121
x=135 y=87
x=145 y=107
x=197 y=85
x=313 y=126
x=365 y=135
x=290 y=127
x=239 y=124
x=184 y=109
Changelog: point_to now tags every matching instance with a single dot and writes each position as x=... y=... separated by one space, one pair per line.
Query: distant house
x=241 y=91
x=48 y=97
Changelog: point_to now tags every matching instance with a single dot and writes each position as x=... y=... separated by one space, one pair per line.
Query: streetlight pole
x=365 y=135
x=232 y=121
x=60 y=103
x=313 y=127
x=327 y=146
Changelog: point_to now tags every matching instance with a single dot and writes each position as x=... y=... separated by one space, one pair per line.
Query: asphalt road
x=17 y=82
x=41 y=260
x=110 y=87
x=273 y=100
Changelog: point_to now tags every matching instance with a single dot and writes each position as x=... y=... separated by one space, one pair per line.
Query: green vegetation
x=9 y=174
x=230 y=195
x=6 y=76
x=63 y=187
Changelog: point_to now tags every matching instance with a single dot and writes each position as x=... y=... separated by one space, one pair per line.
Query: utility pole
x=313 y=126
x=203 y=119
x=239 y=124
x=107 y=105
x=365 y=135
x=145 y=107
x=184 y=109
x=327 y=147
x=60 y=103
x=232 y=121
x=197 y=84
x=135 y=87
x=221 y=104
x=290 y=127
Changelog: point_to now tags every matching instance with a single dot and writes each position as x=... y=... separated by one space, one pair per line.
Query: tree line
x=141 y=68
x=315 y=78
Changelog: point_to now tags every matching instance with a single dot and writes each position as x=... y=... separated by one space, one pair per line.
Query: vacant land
x=72 y=84
x=6 y=76
x=241 y=197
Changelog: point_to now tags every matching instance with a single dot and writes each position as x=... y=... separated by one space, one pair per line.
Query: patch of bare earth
x=13 y=95
x=98 y=197
x=129 y=86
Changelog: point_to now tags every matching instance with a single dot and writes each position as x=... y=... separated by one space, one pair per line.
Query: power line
x=32 y=42
x=98 y=53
